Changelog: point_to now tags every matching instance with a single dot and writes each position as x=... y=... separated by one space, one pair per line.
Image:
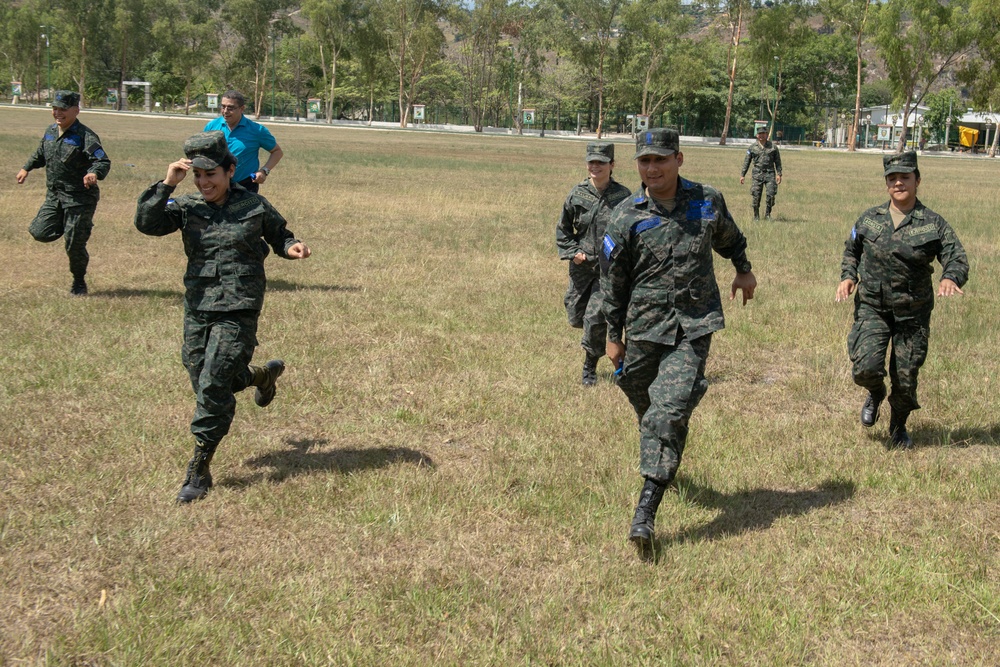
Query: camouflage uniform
x=660 y=290
x=68 y=209
x=224 y=282
x=585 y=216
x=766 y=161
x=895 y=295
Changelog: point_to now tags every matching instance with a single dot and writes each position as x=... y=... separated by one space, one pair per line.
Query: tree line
x=711 y=67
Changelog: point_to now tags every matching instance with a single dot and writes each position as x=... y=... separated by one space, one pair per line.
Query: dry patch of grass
x=431 y=484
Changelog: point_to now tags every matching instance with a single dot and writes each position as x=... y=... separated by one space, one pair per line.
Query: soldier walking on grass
x=889 y=257
x=223 y=227
x=74 y=161
x=585 y=216
x=766 y=159
x=660 y=292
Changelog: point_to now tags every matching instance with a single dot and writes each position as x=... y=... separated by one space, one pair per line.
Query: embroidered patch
x=72 y=140
x=915 y=231
x=49 y=137
x=643 y=225
x=639 y=198
x=871 y=224
x=99 y=153
x=247 y=203
x=608 y=247
x=854 y=233
x=700 y=209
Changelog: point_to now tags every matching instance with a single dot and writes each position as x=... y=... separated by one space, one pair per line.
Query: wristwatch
x=265 y=171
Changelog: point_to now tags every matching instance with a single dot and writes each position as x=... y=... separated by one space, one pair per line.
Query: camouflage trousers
x=55 y=219
x=217 y=351
x=868 y=343
x=758 y=184
x=583 y=306
x=664 y=384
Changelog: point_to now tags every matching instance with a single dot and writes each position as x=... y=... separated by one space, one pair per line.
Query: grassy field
x=432 y=485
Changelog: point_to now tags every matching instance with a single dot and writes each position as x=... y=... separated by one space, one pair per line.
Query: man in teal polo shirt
x=245 y=138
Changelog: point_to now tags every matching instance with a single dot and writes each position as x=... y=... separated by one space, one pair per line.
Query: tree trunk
x=83 y=70
x=734 y=46
x=901 y=146
x=333 y=85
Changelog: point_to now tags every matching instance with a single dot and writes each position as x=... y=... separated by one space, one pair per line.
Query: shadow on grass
x=302 y=460
x=746 y=511
x=278 y=285
x=125 y=293
x=926 y=436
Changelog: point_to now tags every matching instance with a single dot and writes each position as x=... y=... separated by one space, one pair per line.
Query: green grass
x=431 y=484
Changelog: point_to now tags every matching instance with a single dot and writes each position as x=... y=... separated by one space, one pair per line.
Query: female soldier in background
x=578 y=236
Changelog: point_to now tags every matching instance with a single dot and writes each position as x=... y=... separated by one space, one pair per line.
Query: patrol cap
x=900 y=163
x=760 y=126
x=658 y=141
x=600 y=151
x=207 y=150
x=64 y=99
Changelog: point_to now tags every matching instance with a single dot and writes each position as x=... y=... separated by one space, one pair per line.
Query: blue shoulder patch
x=643 y=225
x=639 y=197
x=700 y=209
x=99 y=153
x=749 y=152
x=49 y=137
x=854 y=233
x=170 y=201
x=608 y=247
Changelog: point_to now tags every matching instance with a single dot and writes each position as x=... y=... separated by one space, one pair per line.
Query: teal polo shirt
x=245 y=142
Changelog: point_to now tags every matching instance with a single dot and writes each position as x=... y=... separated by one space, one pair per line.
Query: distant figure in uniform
x=766 y=160
x=74 y=161
x=660 y=292
x=578 y=237
x=224 y=228
x=245 y=139
x=891 y=250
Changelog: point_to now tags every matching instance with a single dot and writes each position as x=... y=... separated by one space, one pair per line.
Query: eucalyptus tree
x=187 y=34
x=776 y=34
x=855 y=18
x=413 y=42
x=256 y=23
x=658 y=62
x=335 y=24
x=588 y=32
x=919 y=40
x=735 y=15
x=81 y=31
x=982 y=74
x=482 y=33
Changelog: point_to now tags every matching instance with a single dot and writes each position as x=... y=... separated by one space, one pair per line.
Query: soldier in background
x=891 y=250
x=74 y=161
x=223 y=227
x=585 y=216
x=766 y=171
x=660 y=292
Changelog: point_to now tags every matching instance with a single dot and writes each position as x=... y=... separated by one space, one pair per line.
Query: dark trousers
x=217 y=351
x=583 y=307
x=664 y=384
x=250 y=184
x=73 y=222
x=760 y=184
x=868 y=343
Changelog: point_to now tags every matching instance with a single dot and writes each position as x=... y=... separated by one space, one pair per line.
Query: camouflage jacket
x=67 y=159
x=225 y=246
x=895 y=265
x=585 y=215
x=659 y=282
x=766 y=160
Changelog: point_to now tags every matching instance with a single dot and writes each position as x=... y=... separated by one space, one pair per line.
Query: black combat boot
x=264 y=379
x=79 y=287
x=590 y=371
x=767 y=213
x=898 y=437
x=756 y=212
x=641 y=533
x=869 y=411
x=199 y=478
